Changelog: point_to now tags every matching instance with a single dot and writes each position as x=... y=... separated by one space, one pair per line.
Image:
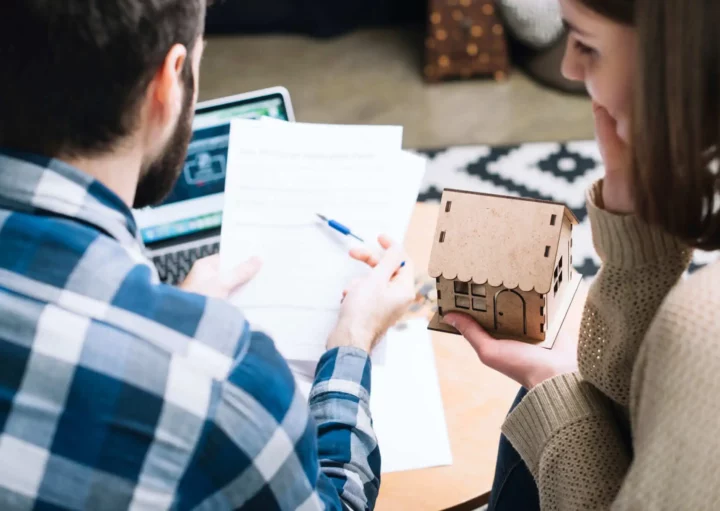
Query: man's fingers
x=390 y=263
x=364 y=256
x=352 y=285
x=385 y=241
x=368 y=257
x=244 y=273
x=209 y=263
x=404 y=277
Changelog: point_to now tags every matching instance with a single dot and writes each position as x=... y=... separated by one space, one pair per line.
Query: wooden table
x=476 y=400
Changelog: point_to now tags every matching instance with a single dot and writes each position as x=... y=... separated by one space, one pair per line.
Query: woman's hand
x=206 y=279
x=527 y=364
x=377 y=301
x=617 y=186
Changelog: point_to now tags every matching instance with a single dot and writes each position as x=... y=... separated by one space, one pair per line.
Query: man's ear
x=166 y=90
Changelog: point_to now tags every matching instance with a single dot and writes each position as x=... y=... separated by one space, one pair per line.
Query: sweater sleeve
x=674 y=403
x=640 y=265
x=567 y=435
x=565 y=429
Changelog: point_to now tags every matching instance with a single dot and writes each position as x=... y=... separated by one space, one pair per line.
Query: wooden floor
x=374 y=77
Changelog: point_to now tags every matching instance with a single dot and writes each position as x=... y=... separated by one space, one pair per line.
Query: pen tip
x=321 y=217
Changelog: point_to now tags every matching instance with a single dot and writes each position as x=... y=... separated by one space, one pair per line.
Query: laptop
x=186 y=227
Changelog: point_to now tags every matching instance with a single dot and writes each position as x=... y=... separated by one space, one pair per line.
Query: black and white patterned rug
x=559 y=172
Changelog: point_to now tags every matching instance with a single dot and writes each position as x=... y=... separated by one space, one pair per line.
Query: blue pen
x=346 y=231
x=340 y=227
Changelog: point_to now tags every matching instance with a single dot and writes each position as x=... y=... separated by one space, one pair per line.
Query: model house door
x=510 y=313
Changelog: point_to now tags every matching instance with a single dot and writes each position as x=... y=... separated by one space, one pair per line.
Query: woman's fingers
x=527 y=364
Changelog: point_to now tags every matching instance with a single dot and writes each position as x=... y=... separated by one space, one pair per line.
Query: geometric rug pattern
x=560 y=172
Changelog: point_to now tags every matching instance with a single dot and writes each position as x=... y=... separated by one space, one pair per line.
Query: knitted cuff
x=547 y=409
x=626 y=241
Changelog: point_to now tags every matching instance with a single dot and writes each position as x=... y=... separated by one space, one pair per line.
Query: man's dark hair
x=74 y=72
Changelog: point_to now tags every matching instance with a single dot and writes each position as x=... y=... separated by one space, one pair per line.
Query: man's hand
x=527 y=364
x=376 y=302
x=617 y=187
x=206 y=279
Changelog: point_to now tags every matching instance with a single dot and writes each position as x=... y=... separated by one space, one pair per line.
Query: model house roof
x=501 y=241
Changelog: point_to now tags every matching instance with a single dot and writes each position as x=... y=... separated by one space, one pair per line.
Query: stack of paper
x=279 y=176
x=406 y=404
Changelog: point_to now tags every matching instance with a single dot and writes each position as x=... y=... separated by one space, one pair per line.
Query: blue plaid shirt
x=118 y=392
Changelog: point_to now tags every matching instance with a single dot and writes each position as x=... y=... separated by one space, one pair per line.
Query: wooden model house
x=505 y=261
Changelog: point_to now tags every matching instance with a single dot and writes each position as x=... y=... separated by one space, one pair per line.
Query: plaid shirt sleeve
x=347 y=447
x=266 y=449
x=118 y=392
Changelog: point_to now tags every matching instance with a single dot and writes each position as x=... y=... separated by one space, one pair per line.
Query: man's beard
x=158 y=179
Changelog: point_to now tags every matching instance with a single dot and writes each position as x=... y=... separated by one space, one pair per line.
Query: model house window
x=462 y=302
x=480 y=304
x=462 y=288
x=479 y=290
x=470 y=296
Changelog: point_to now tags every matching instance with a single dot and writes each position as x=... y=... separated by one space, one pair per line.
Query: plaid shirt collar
x=36 y=184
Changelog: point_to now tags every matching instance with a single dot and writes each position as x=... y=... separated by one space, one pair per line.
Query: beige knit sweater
x=649 y=358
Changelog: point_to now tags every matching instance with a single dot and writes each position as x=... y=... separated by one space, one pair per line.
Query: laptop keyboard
x=174 y=267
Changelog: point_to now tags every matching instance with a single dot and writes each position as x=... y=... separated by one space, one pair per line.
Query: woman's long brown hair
x=676 y=113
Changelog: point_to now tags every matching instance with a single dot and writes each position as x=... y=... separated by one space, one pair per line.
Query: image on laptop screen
x=195 y=204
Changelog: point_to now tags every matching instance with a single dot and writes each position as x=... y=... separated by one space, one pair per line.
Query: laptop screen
x=196 y=203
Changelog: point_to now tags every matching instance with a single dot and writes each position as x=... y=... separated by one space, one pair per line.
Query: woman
x=635 y=425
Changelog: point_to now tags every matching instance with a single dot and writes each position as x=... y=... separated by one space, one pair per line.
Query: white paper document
x=406 y=404
x=279 y=175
